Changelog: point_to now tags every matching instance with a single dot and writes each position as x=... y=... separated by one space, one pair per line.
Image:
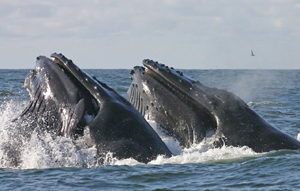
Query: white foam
x=110 y=160
x=48 y=93
x=298 y=137
x=200 y=153
x=39 y=150
x=53 y=152
x=254 y=104
x=172 y=143
x=223 y=154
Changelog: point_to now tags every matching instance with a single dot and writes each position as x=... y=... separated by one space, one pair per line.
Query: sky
x=119 y=34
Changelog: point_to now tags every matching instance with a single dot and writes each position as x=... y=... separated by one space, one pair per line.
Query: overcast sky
x=186 y=34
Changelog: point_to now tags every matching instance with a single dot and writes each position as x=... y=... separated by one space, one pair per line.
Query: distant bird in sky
x=252 y=53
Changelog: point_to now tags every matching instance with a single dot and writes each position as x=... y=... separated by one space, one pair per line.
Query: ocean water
x=48 y=163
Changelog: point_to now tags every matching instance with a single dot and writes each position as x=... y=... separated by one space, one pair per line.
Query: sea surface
x=48 y=163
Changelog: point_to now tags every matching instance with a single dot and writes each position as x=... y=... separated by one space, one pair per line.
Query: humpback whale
x=190 y=111
x=68 y=102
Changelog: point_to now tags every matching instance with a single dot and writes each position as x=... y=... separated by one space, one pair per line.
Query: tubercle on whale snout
x=154 y=65
x=137 y=70
x=61 y=60
x=164 y=74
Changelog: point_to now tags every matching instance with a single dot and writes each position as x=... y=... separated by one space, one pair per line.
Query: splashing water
x=43 y=150
x=202 y=152
x=38 y=150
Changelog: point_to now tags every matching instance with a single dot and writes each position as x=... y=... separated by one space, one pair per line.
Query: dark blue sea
x=49 y=163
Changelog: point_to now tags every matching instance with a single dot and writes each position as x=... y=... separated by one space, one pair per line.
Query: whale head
x=191 y=111
x=165 y=95
x=69 y=102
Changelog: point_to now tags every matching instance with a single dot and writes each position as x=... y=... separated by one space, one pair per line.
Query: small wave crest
x=298 y=136
x=254 y=104
x=225 y=154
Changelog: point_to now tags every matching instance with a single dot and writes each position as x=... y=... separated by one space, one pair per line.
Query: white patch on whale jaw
x=65 y=116
x=146 y=88
x=48 y=93
x=217 y=120
x=31 y=97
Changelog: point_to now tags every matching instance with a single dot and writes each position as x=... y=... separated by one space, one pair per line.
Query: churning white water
x=48 y=151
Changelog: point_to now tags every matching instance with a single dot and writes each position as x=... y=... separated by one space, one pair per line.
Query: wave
x=254 y=104
x=298 y=136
